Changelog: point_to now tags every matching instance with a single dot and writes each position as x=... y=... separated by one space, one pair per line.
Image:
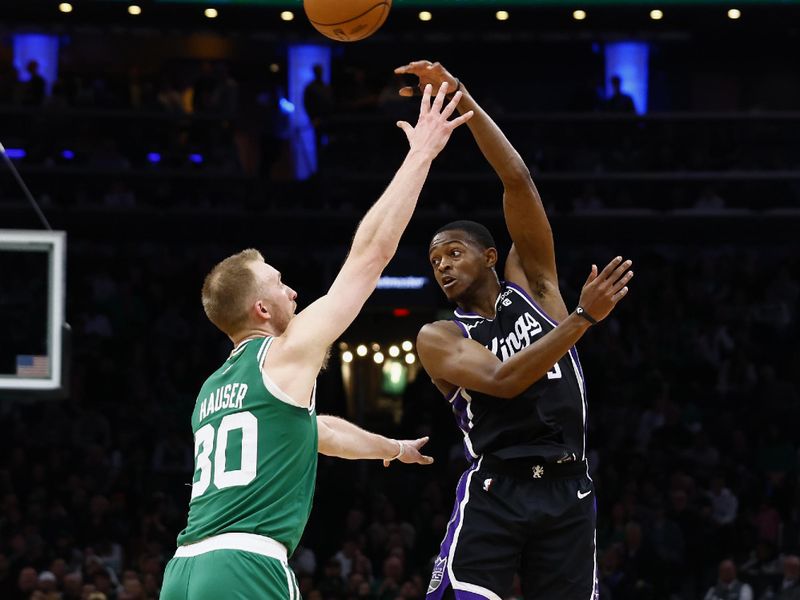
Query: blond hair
x=229 y=289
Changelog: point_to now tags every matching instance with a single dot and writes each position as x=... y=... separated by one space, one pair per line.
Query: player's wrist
x=400 y=451
x=581 y=312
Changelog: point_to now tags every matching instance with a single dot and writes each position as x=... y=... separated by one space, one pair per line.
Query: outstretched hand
x=411 y=453
x=428 y=73
x=433 y=129
x=602 y=291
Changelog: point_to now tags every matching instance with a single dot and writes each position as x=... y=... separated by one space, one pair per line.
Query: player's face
x=279 y=297
x=457 y=263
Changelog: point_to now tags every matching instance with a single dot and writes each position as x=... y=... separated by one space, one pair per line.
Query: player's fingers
x=592 y=275
x=620 y=270
x=406 y=127
x=425 y=460
x=386 y=463
x=609 y=268
x=408 y=91
x=619 y=295
x=459 y=121
x=425 y=105
x=623 y=281
x=451 y=106
x=438 y=102
x=419 y=443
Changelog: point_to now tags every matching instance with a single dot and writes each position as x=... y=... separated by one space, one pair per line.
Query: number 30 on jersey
x=204 y=446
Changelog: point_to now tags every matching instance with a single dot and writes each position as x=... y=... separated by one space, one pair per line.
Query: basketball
x=347 y=20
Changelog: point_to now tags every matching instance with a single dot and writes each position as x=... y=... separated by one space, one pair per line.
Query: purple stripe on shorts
x=440 y=579
x=465 y=595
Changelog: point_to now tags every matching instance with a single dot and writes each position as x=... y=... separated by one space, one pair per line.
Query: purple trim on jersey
x=463 y=327
x=440 y=567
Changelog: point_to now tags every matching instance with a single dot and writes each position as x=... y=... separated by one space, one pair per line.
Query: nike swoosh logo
x=582 y=495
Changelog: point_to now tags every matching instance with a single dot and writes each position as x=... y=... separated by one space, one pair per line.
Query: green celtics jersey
x=255 y=454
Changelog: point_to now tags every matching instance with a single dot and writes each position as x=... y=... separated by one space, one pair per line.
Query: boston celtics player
x=255 y=427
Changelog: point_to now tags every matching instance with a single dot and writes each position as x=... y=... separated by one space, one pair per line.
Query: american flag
x=32 y=366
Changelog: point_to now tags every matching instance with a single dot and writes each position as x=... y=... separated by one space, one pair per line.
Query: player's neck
x=483 y=300
x=250 y=334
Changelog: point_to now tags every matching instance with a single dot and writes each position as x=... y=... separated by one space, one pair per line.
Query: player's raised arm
x=534 y=256
x=455 y=361
x=305 y=342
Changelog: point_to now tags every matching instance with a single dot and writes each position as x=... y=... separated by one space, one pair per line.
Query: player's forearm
x=529 y=365
x=494 y=145
x=345 y=440
x=380 y=231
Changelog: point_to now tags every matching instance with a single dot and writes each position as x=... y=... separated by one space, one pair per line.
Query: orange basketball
x=347 y=20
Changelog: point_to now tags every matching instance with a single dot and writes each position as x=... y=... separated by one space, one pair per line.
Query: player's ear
x=490 y=255
x=261 y=310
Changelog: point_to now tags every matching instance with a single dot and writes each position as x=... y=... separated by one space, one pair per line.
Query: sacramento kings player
x=507 y=364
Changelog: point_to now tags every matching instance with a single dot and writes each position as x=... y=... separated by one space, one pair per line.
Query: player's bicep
x=460 y=361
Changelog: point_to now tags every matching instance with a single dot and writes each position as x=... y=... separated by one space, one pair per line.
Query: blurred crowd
x=134 y=131
x=693 y=388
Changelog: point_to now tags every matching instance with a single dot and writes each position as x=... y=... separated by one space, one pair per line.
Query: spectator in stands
x=619 y=101
x=33 y=90
x=728 y=587
x=789 y=586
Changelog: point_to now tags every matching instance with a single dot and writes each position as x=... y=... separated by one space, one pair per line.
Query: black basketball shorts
x=537 y=520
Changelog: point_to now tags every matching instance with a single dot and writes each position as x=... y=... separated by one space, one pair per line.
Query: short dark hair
x=477 y=232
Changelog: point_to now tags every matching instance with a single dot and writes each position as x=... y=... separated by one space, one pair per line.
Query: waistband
x=247 y=542
x=532 y=468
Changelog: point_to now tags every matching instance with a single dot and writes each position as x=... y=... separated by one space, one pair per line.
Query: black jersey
x=547 y=420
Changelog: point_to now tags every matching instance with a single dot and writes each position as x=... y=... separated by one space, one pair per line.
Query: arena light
x=375 y=346
x=65 y=7
x=287 y=15
x=287 y=107
x=407 y=346
x=579 y=15
x=734 y=13
x=378 y=357
x=153 y=157
x=196 y=158
x=410 y=359
x=347 y=356
x=67 y=154
x=211 y=13
x=134 y=9
x=361 y=350
x=656 y=14
x=15 y=153
x=425 y=15
x=501 y=15
x=274 y=68
x=394 y=351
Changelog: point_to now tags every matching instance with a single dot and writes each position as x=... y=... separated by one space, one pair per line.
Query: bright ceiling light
x=425 y=16
x=734 y=13
x=501 y=15
x=65 y=7
x=211 y=13
x=579 y=15
x=656 y=14
x=361 y=350
x=134 y=9
x=287 y=15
